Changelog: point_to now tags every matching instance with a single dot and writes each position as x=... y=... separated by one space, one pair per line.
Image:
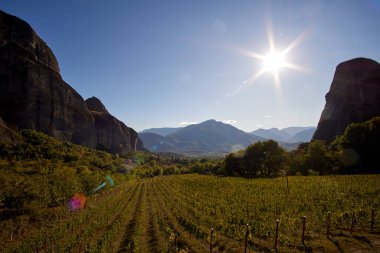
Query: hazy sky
x=163 y=63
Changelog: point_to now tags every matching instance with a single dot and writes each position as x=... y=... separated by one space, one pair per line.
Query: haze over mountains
x=289 y=134
x=163 y=131
x=211 y=137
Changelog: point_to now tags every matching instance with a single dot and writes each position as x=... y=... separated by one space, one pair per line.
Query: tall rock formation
x=34 y=96
x=354 y=96
x=108 y=133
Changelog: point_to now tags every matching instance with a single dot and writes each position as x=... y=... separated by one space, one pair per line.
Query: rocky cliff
x=8 y=135
x=34 y=96
x=354 y=96
x=107 y=132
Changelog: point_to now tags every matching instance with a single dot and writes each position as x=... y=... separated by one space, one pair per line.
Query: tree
x=319 y=158
x=263 y=159
x=358 y=147
x=232 y=165
x=274 y=158
x=296 y=162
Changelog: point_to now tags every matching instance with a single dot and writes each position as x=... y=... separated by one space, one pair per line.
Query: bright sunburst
x=273 y=61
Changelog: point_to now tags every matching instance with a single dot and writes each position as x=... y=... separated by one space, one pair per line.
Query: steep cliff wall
x=354 y=96
x=34 y=96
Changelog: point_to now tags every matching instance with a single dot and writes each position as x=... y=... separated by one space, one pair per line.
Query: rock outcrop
x=95 y=105
x=354 y=96
x=107 y=132
x=8 y=135
x=34 y=96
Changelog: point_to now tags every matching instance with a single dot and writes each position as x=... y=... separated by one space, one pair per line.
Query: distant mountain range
x=208 y=137
x=163 y=131
x=289 y=134
x=214 y=137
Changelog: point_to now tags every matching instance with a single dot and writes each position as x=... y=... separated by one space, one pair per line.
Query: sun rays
x=274 y=61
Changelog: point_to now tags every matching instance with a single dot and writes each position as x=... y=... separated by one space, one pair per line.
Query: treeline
x=154 y=168
x=357 y=151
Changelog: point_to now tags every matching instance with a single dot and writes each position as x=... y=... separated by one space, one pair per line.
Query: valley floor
x=176 y=214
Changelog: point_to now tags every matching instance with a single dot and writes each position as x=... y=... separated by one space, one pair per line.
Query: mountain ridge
x=210 y=136
x=287 y=137
x=288 y=134
x=164 y=131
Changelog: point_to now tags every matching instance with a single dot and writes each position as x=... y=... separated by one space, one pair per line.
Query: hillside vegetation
x=43 y=172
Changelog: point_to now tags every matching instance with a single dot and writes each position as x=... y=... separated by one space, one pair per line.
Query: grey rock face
x=354 y=96
x=34 y=96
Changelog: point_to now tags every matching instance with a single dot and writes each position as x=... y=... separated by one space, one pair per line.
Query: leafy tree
x=313 y=157
x=319 y=158
x=262 y=159
x=232 y=165
x=296 y=163
x=274 y=158
x=253 y=160
x=358 y=147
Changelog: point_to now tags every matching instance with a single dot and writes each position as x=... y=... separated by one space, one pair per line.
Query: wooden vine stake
x=303 y=228
x=373 y=214
x=175 y=242
x=352 y=223
x=246 y=238
x=211 y=235
x=328 y=223
x=45 y=245
x=287 y=182
x=275 y=239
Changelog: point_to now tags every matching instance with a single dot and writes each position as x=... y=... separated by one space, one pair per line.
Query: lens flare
x=110 y=180
x=99 y=187
x=76 y=202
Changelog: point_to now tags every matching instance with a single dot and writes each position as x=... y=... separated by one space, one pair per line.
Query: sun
x=273 y=61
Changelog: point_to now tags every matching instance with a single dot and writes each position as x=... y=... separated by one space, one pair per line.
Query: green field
x=176 y=214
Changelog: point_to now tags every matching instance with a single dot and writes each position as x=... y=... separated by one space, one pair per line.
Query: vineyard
x=198 y=213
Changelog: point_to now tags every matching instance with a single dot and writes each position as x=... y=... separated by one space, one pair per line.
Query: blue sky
x=163 y=63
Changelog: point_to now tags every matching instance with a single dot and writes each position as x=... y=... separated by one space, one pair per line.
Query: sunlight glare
x=274 y=61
